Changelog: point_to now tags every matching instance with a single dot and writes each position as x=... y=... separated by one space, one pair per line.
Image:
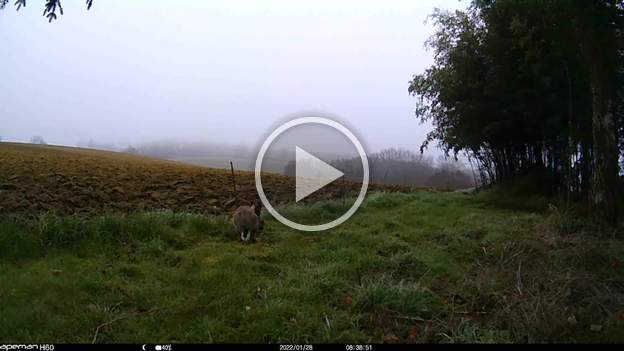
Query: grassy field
x=415 y=267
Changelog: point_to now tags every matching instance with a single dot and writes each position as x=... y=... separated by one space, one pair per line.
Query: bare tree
x=404 y=167
x=37 y=140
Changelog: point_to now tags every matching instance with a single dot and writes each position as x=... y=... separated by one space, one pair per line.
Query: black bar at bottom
x=271 y=347
x=194 y=347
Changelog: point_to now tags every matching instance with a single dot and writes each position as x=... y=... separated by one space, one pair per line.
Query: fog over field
x=130 y=73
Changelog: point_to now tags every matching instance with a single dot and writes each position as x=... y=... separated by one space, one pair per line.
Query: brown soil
x=35 y=179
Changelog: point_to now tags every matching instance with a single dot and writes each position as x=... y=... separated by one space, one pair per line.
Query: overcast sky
x=144 y=70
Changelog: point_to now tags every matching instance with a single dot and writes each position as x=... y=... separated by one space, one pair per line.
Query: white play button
x=311 y=173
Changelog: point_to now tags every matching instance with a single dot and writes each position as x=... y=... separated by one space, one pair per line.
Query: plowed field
x=35 y=179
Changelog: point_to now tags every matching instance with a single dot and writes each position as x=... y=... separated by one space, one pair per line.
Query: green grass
x=419 y=267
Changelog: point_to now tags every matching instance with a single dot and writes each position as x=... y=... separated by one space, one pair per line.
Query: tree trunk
x=568 y=163
x=605 y=172
x=596 y=38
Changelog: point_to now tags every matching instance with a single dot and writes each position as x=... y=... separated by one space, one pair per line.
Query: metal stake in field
x=344 y=190
x=234 y=181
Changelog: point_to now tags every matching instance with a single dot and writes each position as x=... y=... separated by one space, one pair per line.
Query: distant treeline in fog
x=173 y=149
x=214 y=155
x=404 y=167
x=170 y=149
x=389 y=166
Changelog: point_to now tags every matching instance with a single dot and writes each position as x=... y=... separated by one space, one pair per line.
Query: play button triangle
x=311 y=173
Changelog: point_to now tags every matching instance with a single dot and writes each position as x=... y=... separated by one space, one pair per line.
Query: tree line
x=403 y=167
x=531 y=87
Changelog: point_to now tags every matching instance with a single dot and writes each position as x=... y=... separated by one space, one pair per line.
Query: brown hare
x=247 y=221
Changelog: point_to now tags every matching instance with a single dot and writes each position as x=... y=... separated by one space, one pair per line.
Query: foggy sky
x=218 y=71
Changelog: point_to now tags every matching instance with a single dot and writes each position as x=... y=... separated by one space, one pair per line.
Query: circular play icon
x=311 y=172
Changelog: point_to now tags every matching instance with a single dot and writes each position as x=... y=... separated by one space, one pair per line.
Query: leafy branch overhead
x=50 y=8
